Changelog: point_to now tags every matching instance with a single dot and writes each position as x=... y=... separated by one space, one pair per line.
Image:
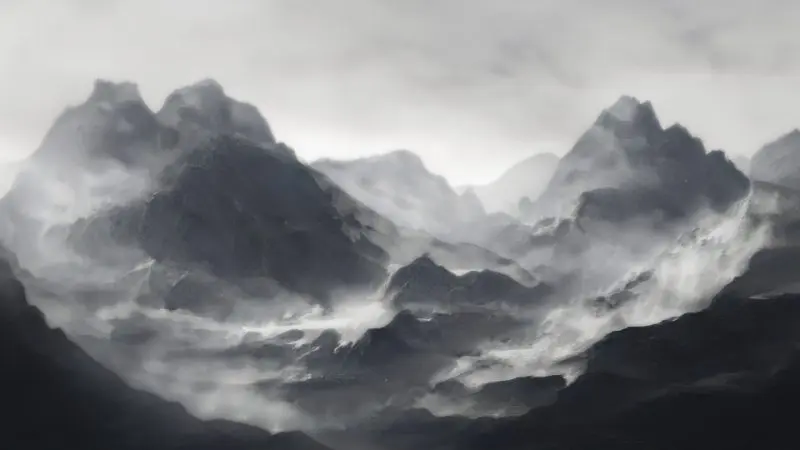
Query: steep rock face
x=628 y=166
x=710 y=378
x=58 y=397
x=779 y=161
x=398 y=186
x=525 y=180
x=243 y=211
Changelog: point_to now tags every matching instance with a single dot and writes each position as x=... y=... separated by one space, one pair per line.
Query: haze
x=472 y=86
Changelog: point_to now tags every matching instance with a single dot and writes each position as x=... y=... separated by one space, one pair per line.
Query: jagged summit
x=115 y=92
x=636 y=165
x=113 y=122
x=629 y=118
x=204 y=107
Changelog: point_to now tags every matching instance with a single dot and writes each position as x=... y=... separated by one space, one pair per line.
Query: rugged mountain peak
x=470 y=203
x=113 y=122
x=423 y=267
x=110 y=92
x=631 y=166
x=204 y=108
x=242 y=212
x=790 y=137
x=628 y=117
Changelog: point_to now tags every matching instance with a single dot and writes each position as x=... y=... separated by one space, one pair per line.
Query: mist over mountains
x=215 y=291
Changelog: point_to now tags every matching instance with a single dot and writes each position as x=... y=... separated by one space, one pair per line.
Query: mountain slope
x=779 y=161
x=222 y=197
x=712 y=377
x=242 y=211
x=399 y=186
x=526 y=179
x=58 y=397
x=114 y=122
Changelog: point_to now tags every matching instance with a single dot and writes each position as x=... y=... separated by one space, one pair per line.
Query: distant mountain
x=626 y=165
x=741 y=162
x=525 y=180
x=399 y=186
x=779 y=161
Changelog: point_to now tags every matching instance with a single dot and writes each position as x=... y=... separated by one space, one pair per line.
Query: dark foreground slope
x=728 y=377
x=55 y=396
x=725 y=377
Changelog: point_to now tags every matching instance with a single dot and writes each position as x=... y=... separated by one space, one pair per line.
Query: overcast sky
x=471 y=85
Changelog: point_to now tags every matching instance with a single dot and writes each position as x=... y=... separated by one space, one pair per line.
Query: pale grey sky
x=471 y=85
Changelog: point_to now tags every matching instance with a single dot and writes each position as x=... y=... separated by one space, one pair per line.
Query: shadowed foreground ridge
x=727 y=377
x=55 y=396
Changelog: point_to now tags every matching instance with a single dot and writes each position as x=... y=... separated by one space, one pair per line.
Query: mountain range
x=632 y=294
